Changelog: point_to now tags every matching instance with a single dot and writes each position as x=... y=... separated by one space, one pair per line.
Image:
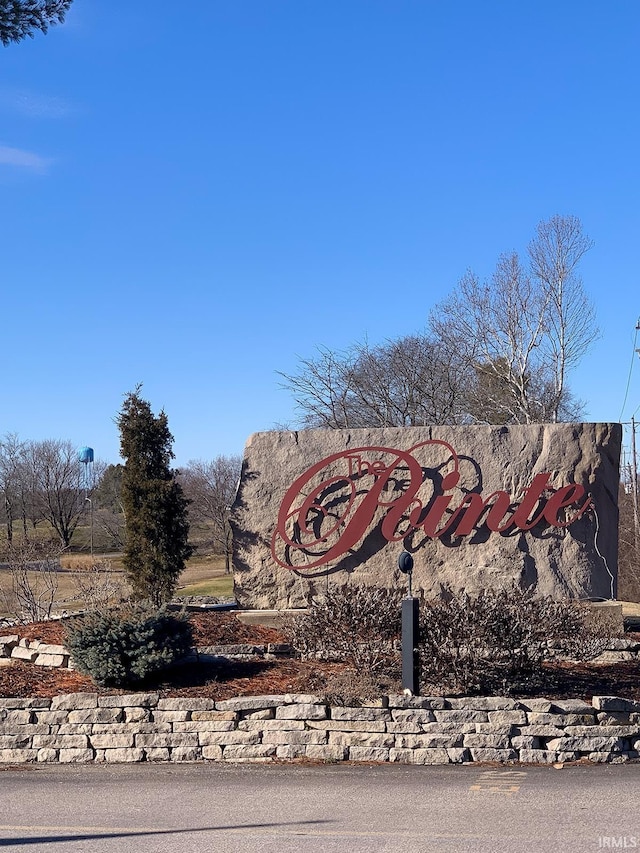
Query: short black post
x=410 y=631
x=410 y=641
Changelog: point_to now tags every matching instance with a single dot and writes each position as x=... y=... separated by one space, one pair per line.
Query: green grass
x=221 y=587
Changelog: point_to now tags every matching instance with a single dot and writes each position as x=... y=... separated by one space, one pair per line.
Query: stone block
x=156 y=753
x=543 y=706
x=15 y=741
x=458 y=756
x=615 y=703
x=223 y=738
x=249 y=703
x=412 y=715
x=123 y=756
x=18 y=756
x=483 y=741
x=111 y=741
x=17 y=718
x=586 y=744
x=538 y=731
x=539 y=756
x=22 y=730
x=495 y=728
x=419 y=756
x=190 y=704
x=137 y=715
x=242 y=752
x=443 y=728
x=614 y=718
x=75 y=756
x=272 y=725
x=171 y=716
x=602 y=731
x=462 y=716
x=22 y=653
x=306 y=712
x=130 y=700
x=51 y=660
x=303 y=699
x=18 y=704
x=264 y=714
x=206 y=716
x=47 y=755
x=483 y=703
x=74 y=701
x=96 y=715
x=172 y=739
x=402 y=728
x=305 y=737
x=521 y=743
x=347 y=725
x=491 y=754
x=52 y=649
x=204 y=726
x=515 y=718
x=186 y=753
x=212 y=753
x=291 y=750
x=135 y=728
x=335 y=752
x=360 y=714
x=60 y=741
x=608 y=757
x=431 y=703
x=53 y=718
x=424 y=741
x=368 y=753
x=560 y=720
x=360 y=739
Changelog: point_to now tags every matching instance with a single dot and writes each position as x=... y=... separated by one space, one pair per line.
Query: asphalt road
x=281 y=809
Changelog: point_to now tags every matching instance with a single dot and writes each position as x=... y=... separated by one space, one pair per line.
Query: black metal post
x=410 y=642
x=410 y=630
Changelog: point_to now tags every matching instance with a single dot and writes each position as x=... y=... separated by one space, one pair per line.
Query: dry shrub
x=33 y=572
x=498 y=639
x=97 y=586
x=357 y=625
x=352 y=689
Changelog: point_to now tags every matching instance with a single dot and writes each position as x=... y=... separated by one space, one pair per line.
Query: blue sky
x=192 y=197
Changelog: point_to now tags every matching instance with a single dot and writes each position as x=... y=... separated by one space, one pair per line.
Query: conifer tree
x=19 y=18
x=155 y=508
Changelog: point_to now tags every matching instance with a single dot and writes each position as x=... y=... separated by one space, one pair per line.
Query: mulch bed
x=259 y=677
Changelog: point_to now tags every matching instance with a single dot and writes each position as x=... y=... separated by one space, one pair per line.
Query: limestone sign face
x=476 y=506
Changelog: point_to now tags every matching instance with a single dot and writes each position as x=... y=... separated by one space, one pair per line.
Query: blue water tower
x=85 y=455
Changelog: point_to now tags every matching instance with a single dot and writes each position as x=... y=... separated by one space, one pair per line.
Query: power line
x=633 y=352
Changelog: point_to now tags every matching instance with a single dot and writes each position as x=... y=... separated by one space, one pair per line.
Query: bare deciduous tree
x=523 y=330
x=59 y=486
x=496 y=351
x=407 y=382
x=569 y=316
x=211 y=488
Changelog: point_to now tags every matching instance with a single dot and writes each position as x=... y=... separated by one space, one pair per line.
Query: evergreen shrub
x=125 y=647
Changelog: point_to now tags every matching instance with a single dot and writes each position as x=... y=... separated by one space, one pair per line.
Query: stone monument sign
x=476 y=506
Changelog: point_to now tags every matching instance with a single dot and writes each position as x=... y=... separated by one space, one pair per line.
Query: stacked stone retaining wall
x=87 y=727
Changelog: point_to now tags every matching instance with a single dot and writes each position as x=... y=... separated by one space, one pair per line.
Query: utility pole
x=634 y=484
